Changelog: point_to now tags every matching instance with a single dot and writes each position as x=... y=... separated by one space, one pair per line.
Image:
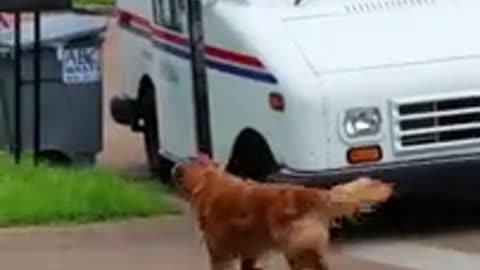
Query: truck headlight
x=362 y=122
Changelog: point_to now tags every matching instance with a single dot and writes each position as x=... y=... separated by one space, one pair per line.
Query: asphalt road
x=409 y=234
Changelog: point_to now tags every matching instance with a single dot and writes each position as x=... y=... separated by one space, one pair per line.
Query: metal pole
x=37 y=86
x=17 y=148
x=199 y=76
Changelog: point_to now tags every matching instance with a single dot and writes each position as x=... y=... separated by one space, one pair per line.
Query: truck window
x=169 y=14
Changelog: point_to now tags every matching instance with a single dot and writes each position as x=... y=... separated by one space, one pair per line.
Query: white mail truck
x=307 y=91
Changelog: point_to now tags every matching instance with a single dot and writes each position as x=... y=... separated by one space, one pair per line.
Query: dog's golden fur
x=245 y=219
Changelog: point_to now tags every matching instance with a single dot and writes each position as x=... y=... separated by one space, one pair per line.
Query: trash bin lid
x=57 y=28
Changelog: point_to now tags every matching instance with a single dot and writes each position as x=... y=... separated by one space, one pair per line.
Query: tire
x=158 y=166
x=251 y=158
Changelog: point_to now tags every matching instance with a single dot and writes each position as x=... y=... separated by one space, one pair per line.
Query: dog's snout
x=177 y=172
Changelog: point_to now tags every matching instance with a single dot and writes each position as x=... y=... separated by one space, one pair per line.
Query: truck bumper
x=123 y=110
x=441 y=176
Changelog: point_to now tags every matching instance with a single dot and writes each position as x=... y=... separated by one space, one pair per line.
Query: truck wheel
x=158 y=166
x=251 y=157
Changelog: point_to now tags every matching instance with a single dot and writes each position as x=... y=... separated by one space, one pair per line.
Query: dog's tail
x=357 y=197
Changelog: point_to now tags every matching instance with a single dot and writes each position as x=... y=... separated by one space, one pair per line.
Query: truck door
x=174 y=96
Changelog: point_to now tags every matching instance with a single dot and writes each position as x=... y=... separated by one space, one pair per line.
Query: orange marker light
x=364 y=154
x=276 y=101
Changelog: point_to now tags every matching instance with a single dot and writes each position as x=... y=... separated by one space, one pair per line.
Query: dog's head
x=191 y=174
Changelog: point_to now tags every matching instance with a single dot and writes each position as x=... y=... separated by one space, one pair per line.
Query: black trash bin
x=71 y=87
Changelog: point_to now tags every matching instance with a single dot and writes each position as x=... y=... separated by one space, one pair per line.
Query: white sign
x=81 y=65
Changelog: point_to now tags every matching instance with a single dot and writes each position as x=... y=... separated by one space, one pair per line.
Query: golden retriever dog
x=245 y=220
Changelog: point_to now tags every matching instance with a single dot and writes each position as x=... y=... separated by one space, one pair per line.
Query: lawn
x=94 y=2
x=48 y=195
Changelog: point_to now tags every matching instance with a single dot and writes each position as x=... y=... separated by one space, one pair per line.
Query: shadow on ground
x=412 y=218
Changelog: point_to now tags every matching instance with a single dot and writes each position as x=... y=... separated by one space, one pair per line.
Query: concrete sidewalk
x=171 y=243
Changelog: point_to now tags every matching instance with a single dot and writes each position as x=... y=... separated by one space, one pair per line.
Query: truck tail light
x=364 y=154
x=276 y=101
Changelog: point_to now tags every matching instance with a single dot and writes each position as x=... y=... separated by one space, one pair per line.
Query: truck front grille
x=436 y=122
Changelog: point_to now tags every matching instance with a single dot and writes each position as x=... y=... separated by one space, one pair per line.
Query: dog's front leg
x=307 y=259
x=222 y=265
x=249 y=264
x=219 y=259
x=221 y=262
x=320 y=262
x=293 y=263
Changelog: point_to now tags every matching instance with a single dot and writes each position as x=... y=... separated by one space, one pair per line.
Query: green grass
x=48 y=195
x=94 y=2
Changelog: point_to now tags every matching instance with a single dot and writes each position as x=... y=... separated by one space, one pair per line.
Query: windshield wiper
x=297 y=2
